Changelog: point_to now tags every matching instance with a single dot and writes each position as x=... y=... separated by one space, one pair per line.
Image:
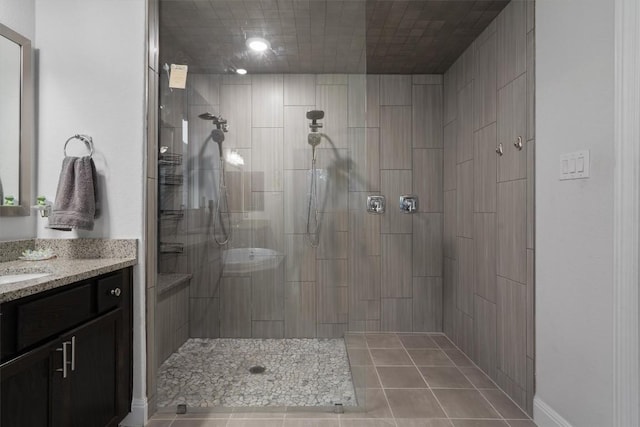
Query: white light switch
x=574 y=165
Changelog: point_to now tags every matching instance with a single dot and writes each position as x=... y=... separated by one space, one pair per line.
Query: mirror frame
x=26 y=124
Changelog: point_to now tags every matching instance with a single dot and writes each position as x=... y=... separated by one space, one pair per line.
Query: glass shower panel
x=280 y=269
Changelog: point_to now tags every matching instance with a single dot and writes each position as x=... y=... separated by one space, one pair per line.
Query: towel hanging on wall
x=75 y=203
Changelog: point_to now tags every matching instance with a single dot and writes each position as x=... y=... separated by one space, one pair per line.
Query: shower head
x=217 y=135
x=315 y=115
x=208 y=116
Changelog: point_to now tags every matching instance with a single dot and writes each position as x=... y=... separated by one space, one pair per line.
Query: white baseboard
x=138 y=415
x=545 y=416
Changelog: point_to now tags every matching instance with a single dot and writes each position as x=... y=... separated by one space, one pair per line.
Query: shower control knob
x=375 y=204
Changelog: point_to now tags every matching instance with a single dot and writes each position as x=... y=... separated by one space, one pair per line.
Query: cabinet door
x=27 y=388
x=95 y=373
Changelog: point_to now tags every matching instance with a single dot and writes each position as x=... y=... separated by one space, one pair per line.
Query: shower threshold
x=217 y=373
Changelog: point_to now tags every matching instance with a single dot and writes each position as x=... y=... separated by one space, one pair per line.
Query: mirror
x=16 y=123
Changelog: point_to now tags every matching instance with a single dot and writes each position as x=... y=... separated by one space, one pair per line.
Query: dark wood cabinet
x=74 y=375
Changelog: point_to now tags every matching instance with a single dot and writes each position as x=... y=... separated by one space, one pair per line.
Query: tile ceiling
x=322 y=36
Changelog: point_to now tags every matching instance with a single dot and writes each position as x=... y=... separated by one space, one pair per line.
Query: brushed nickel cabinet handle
x=63 y=349
x=116 y=292
x=73 y=353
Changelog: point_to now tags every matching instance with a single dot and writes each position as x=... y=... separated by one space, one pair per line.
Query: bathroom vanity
x=66 y=344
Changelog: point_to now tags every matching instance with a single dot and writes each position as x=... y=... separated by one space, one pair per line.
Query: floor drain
x=338 y=408
x=257 y=369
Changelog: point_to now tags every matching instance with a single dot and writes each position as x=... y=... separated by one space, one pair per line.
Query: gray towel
x=75 y=205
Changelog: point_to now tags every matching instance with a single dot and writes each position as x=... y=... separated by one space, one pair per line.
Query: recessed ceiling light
x=241 y=71
x=258 y=44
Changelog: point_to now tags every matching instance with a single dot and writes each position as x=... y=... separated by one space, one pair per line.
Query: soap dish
x=38 y=255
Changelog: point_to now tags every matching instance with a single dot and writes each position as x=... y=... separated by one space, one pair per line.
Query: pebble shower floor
x=206 y=373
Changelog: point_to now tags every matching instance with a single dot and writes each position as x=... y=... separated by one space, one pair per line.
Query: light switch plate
x=574 y=165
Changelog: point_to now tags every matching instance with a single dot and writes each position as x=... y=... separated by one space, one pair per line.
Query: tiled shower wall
x=489 y=202
x=369 y=272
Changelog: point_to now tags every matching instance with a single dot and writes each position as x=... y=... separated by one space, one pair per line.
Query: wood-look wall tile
x=364 y=167
x=203 y=89
x=465 y=67
x=333 y=304
x=300 y=310
x=485 y=86
x=531 y=196
x=236 y=79
x=512 y=231
x=357 y=99
x=427 y=244
x=427 y=116
x=531 y=86
x=300 y=89
x=235 y=106
x=267 y=329
x=393 y=184
x=450 y=89
x=427 y=79
x=464 y=148
x=333 y=100
x=365 y=278
x=333 y=273
x=427 y=179
x=266 y=160
x=485 y=255
x=267 y=100
x=427 y=304
x=484 y=322
x=395 y=137
x=267 y=294
x=512 y=123
x=464 y=199
x=396 y=314
x=300 y=259
x=333 y=241
x=466 y=278
x=512 y=330
x=296 y=188
x=531 y=14
x=512 y=42
x=235 y=307
x=449 y=295
x=373 y=101
x=331 y=330
x=485 y=169
x=297 y=152
x=364 y=326
x=364 y=228
x=464 y=333
x=531 y=386
x=396 y=266
x=173 y=106
x=531 y=304
x=449 y=238
x=267 y=220
x=450 y=155
x=332 y=79
x=238 y=183
x=486 y=33
x=332 y=179
x=395 y=89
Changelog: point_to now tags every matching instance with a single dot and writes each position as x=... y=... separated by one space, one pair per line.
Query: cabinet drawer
x=110 y=292
x=46 y=317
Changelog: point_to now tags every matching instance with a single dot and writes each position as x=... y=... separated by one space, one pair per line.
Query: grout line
x=384 y=393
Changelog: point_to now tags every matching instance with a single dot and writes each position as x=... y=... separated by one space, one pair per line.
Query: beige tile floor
x=404 y=380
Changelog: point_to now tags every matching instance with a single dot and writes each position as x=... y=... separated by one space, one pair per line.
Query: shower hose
x=313 y=237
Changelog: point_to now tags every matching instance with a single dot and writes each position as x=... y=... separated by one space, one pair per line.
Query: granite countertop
x=102 y=256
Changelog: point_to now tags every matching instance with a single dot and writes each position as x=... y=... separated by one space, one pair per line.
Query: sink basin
x=21 y=277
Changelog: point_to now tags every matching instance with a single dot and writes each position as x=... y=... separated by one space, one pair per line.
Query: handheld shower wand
x=314 y=138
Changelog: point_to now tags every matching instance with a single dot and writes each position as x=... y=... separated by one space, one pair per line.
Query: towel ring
x=88 y=141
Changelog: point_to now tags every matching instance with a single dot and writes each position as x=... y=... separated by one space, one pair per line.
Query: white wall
x=92 y=81
x=19 y=15
x=574 y=219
